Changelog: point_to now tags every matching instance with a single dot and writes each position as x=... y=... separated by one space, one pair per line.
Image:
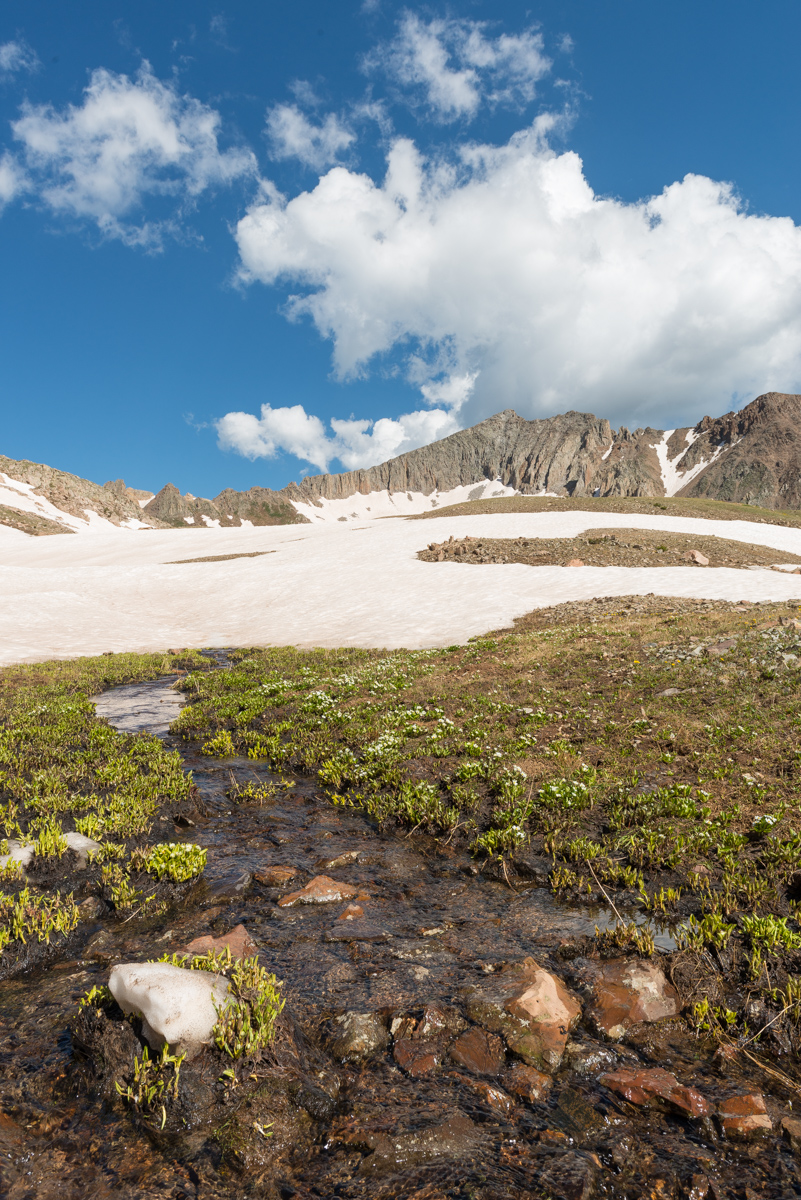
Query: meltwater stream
x=432 y=926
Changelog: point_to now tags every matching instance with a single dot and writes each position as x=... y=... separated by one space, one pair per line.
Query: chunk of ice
x=177 y=1006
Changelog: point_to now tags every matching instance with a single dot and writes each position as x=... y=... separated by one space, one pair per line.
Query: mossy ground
x=674 y=506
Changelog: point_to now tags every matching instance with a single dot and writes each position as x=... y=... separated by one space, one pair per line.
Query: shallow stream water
x=433 y=925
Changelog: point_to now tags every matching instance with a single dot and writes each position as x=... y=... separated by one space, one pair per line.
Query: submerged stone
x=656 y=1086
x=320 y=890
x=276 y=876
x=478 y=1051
x=355 y=1035
x=527 y=1082
x=745 y=1117
x=177 y=1005
x=531 y=1009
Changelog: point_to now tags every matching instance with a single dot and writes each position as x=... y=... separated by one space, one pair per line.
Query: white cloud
x=12 y=179
x=455 y=65
x=17 y=56
x=508 y=265
x=353 y=443
x=293 y=135
x=130 y=139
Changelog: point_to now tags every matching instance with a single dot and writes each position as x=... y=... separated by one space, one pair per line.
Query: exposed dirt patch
x=609 y=548
x=217 y=557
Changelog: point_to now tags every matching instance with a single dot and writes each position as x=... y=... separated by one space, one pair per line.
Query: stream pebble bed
x=391 y=967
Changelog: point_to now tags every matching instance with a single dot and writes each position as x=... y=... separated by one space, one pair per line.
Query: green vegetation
x=246 y=1022
x=611 y=737
x=178 y=861
x=63 y=769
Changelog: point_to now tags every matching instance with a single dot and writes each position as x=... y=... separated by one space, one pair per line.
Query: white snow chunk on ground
x=177 y=1006
x=16 y=853
x=354 y=583
x=81 y=845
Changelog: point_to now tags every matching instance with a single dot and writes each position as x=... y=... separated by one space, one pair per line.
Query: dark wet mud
x=418 y=1116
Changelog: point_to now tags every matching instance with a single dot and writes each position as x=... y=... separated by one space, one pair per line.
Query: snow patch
x=372 y=506
x=606 y=453
x=674 y=479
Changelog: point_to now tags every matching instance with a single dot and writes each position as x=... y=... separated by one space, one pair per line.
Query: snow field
x=357 y=583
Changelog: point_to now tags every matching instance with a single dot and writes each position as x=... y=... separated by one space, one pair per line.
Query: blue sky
x=225 y=227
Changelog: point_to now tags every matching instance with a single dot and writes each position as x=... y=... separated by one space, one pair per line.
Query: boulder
x=82 y=845
x=625 y=992
x=320 y=890
x=417 y=1058
x=656 y=1087
x=697 y=557
x=531 y=1009
x=744 y=1117
x=178 y=1006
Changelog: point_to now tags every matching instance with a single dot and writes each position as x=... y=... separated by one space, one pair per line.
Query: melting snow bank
x=332 y=584
x=178 y=1007
x=371 y=505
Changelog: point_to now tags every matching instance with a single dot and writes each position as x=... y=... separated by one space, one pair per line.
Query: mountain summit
x=752 y=457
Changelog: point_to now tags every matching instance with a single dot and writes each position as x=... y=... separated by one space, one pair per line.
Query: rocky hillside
x=752 y=456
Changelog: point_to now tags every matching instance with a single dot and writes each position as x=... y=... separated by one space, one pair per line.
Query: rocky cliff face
x=258 y=506
x=753 y=456
x=68 y=494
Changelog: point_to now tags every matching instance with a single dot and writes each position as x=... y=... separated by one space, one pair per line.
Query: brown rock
x=574 y=562
x=791 y=1132
x=570 y=1177
x=339 y=860
x=492 y=1095
x=656 y=1086
x=527 y=1082
x=320 y=890
x=351 y=913
x=744 y=1117
x=276 y=876
x=238 y=941
x=416 y=1058
x=628 y=991
x=720 y=649
x=697 y=557
x=478 y=1051
x=532 y=1009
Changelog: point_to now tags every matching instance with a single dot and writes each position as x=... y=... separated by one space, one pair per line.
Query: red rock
x=531 y=1008
x=276 y=876
x=416 y=1058
x=697 y=557
x=628 y=991
x=351 y=913
x=744 y=1117
x=527 y=1082
x=492 y=1095
x=575 y=562
x=320 y=890
x=478 y=1051
x=656 y=1086
x=238 y=941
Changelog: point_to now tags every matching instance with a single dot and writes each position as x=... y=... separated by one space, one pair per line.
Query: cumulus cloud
x=12 y=180
x=293 y=135
x=508 y=266
x=17 y=56
x=352 y=442
x=453 y=65
x=130 y=139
